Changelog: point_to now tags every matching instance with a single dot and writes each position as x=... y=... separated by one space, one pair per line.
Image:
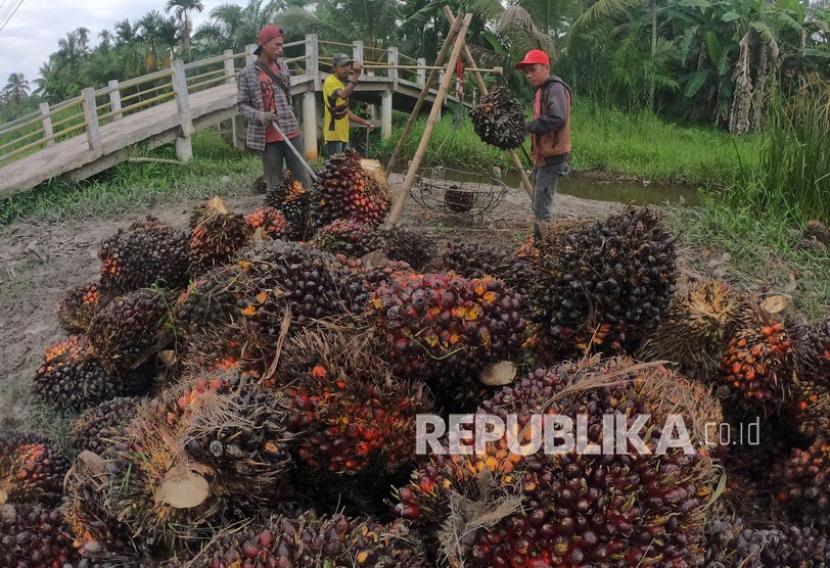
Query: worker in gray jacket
x=550 y=133
x=263 y=98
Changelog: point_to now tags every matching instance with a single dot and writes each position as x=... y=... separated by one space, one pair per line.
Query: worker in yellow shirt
x=337 y=89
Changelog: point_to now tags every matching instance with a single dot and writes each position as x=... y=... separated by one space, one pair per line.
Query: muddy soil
x=38 y=261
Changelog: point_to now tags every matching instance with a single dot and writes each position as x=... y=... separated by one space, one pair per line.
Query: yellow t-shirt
x=341 y=125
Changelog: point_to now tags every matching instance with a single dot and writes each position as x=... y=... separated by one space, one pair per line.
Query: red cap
x=266 y=34
x=533 y=57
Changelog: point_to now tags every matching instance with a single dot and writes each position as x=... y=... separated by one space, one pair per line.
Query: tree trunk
x=653 y=51
x=742 y=95
x=759 y=102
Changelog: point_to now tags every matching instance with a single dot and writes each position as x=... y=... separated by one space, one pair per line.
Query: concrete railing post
x=230 y=71
x=93 y=132
x=310 y=124
x=250 y=58
x=46 y=120
x=357 y=51
x=312 y=59
x=184 y=148
x=422 y=73
x=392 y=58
x=115 y=99
x=386 y=115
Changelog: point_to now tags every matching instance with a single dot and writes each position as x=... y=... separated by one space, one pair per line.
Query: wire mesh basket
x=458 y=193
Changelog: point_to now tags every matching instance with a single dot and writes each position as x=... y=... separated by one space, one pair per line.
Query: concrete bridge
x=100 y=128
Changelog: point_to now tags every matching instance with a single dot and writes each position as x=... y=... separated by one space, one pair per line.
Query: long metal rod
x=293 y=149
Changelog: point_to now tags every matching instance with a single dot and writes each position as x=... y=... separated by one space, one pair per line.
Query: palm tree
x=82 y=34
x=375 y=21
x=125 y=33
x=182 y=9
x=234 y=27
x=16 y=89
x=106 y=39
x=69 y=49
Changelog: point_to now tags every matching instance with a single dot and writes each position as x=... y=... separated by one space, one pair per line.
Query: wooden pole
x=400 y=198
x=439 y=59
x=482 y=86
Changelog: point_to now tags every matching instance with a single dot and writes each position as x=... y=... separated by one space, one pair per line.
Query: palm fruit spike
x=499 y=119
x=445 y=327
x=818 y=231
x=472 y=260
x=273 y=223
x=802 y=483
x=603 y=286
x=216 y=239
x=346 y=409
x=130 y=329
x=343 y=191
x=97 y=427
x=378 y=192
x=72 y=377
x=78 y=306
x=259 y=185
x=287 y=274
x=348 y=237
x=34 y=536
x=731 y=543
x=147 y=253
x=309 y=542
x=358 y=279
x=581 y=509
x=209 y=301
x=695 y=330
x=459 y=201
x=812 y=347
x=758 y=365
x=31 y=469
x=810 y=408
x=292 y=199
x=412 y=247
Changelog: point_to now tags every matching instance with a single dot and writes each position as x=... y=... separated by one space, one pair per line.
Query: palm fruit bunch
x=72 y=377
x=293 y=200
x=309 y=542
x=730 y=543
x=217 y=237
x=209 y=301
x=758 y=366
x=348 y=237
x=817 y=231
x=602 y=286
x=34 y=536
x=78 y=306
x=96 y=427
x=344 y=191
x=31 y=469
x=810 y=407
x=458 y=200
x=130 y=329
x=812 y=344
x=446 y=327
x=259 y=185
x=577 y=509
x=499 y=119
x=273 y=223
x=147 y=253
x=347 y=410
x=802 y=484
x=412 y=247
x=695 y=330
x=472 y=260
x=359 y=278
x=519 y=271
x=283 y=274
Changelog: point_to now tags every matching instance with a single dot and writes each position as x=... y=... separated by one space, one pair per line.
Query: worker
x=549 y=133
x=337 y=89
x=263 y=98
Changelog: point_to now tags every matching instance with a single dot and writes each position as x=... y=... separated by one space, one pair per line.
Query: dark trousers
x=272 y=162
x=336 y=147
x=545 y=179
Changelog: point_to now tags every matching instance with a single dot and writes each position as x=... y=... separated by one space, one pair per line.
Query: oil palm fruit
x=412 y=247
x=695 y=330
x=130 y=329
x=801 y=482
x=209 y=301
x=96 y=428
x=217 y=237
x=457 y=200
x=344 y=191
x=72 y=377
x=348 y=237
x=34 y=536
x=147 y=253
x=31 y=469
x=273 y=223
x=292 y=199
x=602 y=286
x=578 y=509
x=499 y=119
x=79 y=304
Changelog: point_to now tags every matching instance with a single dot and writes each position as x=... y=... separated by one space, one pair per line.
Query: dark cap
x=341 y=59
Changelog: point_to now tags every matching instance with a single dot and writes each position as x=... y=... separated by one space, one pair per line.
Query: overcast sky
x=34 y=31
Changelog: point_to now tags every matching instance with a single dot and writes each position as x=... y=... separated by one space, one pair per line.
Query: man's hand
x=368 y=125
x=357 y=69
x=266 y=118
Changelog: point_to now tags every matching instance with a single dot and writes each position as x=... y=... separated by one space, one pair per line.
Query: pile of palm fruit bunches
x=248 y=391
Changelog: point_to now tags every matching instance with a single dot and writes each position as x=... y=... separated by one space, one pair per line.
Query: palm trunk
x=653 y=51
x=742 y=96
x=760 y=101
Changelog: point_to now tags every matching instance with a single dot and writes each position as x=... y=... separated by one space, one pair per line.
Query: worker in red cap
x=549 y=133
x=263 y=98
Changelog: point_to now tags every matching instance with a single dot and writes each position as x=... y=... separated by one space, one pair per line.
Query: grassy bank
x=639 y=145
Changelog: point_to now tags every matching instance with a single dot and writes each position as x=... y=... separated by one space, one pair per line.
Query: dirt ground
x=38 y=261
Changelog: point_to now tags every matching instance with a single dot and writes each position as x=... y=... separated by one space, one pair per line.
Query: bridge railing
x=308 y=59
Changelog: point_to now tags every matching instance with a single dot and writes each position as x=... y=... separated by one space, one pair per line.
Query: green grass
x=639 y=145
x=764 y=251
x=217 y=169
